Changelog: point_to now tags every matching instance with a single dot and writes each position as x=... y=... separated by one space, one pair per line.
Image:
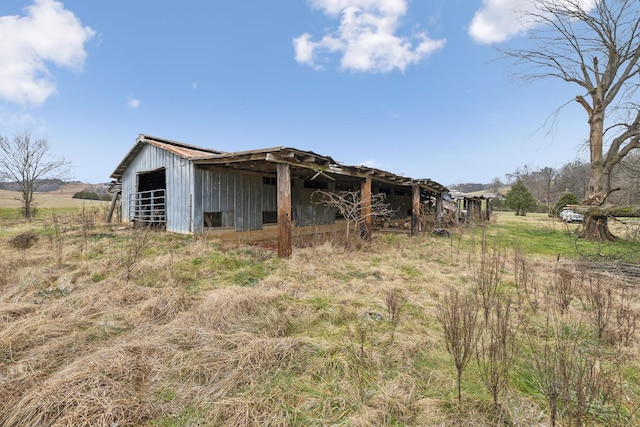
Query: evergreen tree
x=520 y=199
x=566 y=199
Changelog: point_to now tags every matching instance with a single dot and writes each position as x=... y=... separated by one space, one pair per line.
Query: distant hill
x=50 y=185
x=471 y=187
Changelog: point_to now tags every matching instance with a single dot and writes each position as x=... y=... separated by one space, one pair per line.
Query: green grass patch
x=190 y=416
x=541 y=235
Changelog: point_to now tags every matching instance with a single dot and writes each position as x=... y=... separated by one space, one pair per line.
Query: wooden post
x=439 y=210
x=415 y=211
x=112 y=206
x=468 y=204
x=284 y=211
x=365 y=193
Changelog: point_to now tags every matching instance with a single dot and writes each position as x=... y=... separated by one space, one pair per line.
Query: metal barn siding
x=236 y=196
x=248 y=202
x=306 y=211
x=269 y=197
x=178 y=175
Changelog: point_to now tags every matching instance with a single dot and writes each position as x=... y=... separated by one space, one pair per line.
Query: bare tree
x=573 y=178
x=548 y=177
x=596 y=46
x=29 y=163
x=627 y=177
x=350 y=205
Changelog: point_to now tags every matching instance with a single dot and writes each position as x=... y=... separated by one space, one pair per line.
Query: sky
x=413 y=87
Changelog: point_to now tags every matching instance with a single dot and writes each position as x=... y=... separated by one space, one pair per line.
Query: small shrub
x=393 y=303
x=458 y=315
x=564 y=288
x=24 y=240
x=86 y=195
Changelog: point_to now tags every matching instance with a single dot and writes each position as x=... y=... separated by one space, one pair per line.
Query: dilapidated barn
x=189 y=189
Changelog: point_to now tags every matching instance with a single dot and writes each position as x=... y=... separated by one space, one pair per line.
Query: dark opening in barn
x=149 y=208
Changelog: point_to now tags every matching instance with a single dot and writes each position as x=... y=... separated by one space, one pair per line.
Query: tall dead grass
x=98 y=329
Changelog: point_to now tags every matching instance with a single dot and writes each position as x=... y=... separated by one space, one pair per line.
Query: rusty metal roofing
x=264 y=160
x=178 y=148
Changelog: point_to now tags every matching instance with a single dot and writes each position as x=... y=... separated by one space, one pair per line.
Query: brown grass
x=62 y=198
x=172 y=336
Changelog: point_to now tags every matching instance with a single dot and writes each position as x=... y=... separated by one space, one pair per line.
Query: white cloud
x=47 y=34
x=133 y=103
x=366 y=37
x=499 y=20
x=194 y=85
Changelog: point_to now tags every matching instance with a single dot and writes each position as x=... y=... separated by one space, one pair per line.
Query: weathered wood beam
x=366 y=208
x=284 y=211
x=415 y=210
x=112 y=205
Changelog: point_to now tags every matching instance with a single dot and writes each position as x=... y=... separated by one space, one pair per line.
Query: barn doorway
x=148 y=204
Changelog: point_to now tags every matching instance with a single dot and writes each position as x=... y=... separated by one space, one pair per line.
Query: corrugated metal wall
x=306 y=211
x=269 y=197
x=179 y=173
x=237 y=195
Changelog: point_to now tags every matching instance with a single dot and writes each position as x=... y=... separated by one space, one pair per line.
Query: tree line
x=548 y=185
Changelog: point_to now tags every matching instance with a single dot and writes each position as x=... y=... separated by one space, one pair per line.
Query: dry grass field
x=62 y=198
x=104 y=325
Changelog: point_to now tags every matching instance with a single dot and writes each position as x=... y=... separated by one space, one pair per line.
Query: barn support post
x=467 y=204
x=284 y=211
x=439 y=210
x=366 y=213
x=415 y=210
x=474 y=211
x=112 y=205
x=456 y=213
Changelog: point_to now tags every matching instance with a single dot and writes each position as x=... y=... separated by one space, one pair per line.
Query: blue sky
x=414 y=87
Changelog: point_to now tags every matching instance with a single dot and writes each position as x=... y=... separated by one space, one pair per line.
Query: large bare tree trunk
x=596 y=228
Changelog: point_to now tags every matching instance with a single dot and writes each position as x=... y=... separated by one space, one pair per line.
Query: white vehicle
x=574 y=217
x=565 y=213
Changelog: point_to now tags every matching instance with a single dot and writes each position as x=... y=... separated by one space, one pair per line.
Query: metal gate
x=148 y=208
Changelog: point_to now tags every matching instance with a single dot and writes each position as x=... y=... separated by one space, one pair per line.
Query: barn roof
x=178 y=148
x=265 y=161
